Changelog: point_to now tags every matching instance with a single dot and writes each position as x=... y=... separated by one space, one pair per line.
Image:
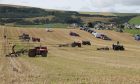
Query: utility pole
x=4 y=41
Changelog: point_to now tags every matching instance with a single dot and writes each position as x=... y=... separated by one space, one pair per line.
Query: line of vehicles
x=103 y=36
x=96 y=34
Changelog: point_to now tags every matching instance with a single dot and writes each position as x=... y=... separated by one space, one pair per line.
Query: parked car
x=97 y=35
x=137 y=37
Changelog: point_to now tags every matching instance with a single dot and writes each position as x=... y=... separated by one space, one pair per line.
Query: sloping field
x=109 y=14
x=93 y=19
x=135 y=20
x=99 y=13
x=69 y=65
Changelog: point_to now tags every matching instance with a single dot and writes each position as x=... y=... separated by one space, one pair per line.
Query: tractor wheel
x=44 y=54
x=79 y=45
x=122 y=48
x=32 y=53
x=115 y=48
x=38 y=40
x=89 y=43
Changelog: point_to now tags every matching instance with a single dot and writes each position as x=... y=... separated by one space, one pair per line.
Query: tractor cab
x=118 y=47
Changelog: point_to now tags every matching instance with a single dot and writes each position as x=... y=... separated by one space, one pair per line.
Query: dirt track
x=71 y=65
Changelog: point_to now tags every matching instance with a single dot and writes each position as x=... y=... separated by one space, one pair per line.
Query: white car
x=97 y=35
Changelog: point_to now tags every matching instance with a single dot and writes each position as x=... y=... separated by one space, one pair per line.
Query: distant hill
x=110 y=14
x=13 y=11
x=1 y=5
x=34 y=16
x=24 y=15
x=127 y=14
x=135 y=20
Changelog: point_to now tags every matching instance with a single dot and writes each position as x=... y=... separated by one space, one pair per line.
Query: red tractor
x=43 y=51
x=35 y=39
x=74 y=34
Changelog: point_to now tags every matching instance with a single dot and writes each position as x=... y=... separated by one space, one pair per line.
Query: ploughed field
x=67 y=65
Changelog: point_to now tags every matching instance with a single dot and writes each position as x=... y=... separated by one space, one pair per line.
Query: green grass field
x=132 y=31
x=135 y=20
x=98 y=13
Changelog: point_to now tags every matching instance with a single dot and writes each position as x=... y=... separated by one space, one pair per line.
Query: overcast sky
x=123 y=6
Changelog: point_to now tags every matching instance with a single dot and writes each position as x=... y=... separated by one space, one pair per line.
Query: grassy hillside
x=135 y=20
x=93 y=19
x=29 y=16
x=19 y=15
x=110 y=14
x=10 y=11
x=132 y=31
x=126 y=14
